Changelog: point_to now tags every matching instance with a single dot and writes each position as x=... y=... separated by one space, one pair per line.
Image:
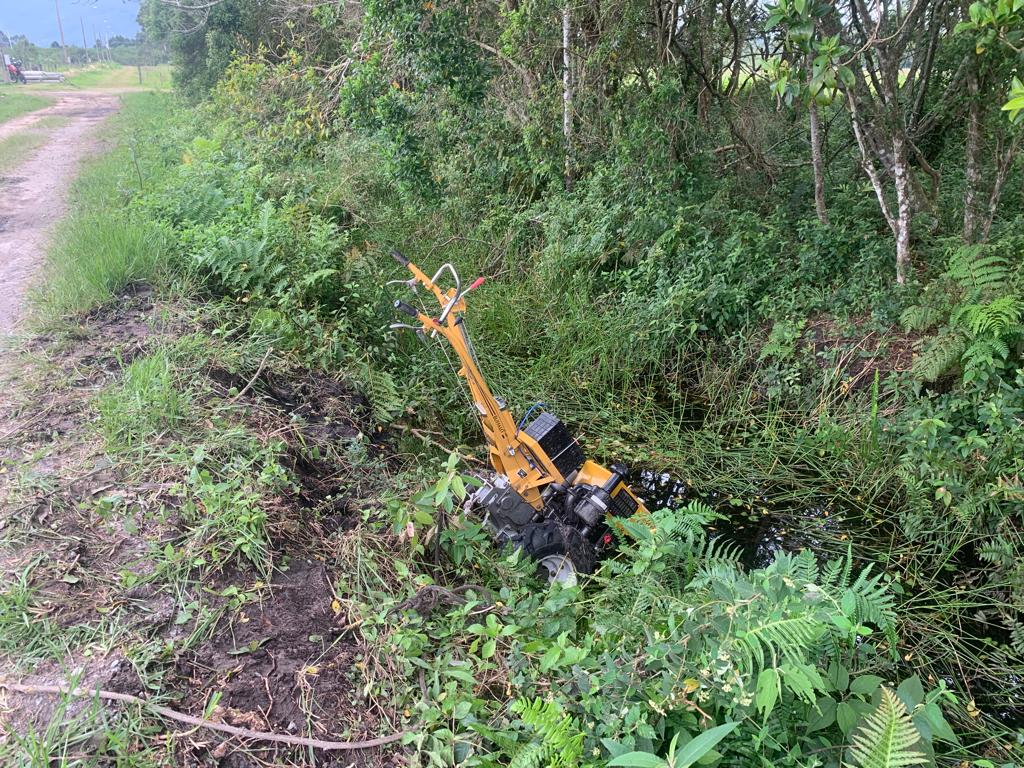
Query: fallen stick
x=255 y=376
x=280 y=738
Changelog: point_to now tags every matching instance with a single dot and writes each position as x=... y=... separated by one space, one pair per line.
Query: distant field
x=14 y=103
x=158 y=77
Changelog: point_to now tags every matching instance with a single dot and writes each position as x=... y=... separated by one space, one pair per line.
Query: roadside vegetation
x=795 y=297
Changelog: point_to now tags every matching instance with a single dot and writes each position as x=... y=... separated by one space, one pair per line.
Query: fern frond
x=775 y=638
x=875 y=603
x=887 y=738
x=560 y=740
x=921 y=318
x=991 y=318
x=836 y=573
x=939 y=356
x=975 y=272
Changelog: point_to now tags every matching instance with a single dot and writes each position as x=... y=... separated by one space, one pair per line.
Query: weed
x=147 y=404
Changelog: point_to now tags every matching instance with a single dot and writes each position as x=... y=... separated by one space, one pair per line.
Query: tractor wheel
x=560 y=551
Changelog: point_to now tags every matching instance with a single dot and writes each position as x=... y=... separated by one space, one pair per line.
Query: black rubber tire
x=540 y=540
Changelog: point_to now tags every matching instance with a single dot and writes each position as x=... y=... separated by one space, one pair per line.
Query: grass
x=15 y=103
x=76 y=730
x=96 y=254
x=116 y=76
x=16 y=148
x=100 y=248
x=147 y=403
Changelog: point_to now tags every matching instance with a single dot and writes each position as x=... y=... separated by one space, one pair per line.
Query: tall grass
x=97 y=254
x=103 y=245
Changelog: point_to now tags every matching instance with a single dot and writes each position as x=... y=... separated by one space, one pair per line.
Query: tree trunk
x=567 y=93
x=1002 y=171
x=819 y=165
x=972 y=162
x=903 y=206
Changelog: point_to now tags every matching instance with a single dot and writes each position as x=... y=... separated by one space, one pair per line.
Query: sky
x=37 y=19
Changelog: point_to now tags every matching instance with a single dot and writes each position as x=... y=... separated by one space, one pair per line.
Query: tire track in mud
x=33 y=193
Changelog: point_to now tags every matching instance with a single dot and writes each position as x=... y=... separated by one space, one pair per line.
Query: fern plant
x=557 y=740
x=975 y=316
x=887 y=738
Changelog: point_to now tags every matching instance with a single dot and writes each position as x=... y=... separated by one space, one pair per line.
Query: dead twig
x=278 y=738
x=255 y=376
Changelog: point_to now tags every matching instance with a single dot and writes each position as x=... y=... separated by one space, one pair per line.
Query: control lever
x=407 y=309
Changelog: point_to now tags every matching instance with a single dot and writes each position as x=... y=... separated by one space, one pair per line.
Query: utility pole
x=60 y=27
x=99 y=51
x=85 y=43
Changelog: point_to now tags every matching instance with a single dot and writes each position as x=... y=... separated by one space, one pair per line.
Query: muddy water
x=759 y=527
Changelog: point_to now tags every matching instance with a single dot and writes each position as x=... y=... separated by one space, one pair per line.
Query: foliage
x=670 y=638
x=887 y=737
x=979 y=312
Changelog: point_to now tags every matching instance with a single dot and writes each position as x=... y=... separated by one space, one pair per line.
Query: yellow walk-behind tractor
x=544 y=495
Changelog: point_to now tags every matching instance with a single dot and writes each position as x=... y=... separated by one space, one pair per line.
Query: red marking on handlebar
x=476 y=283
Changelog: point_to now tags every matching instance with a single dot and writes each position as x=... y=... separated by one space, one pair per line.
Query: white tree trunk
x=972 y=161
x=903 y=202
x=818 y=164
x=567 y=92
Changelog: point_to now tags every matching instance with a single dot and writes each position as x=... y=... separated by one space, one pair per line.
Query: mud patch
x=324 y=421
x=857 y=354
x=284 y=665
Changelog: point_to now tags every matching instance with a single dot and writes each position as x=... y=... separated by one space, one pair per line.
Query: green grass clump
x=96 y=255
x=147 y=404
x=14 y=104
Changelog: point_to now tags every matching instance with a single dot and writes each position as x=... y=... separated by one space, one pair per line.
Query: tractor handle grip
x=401 y=306
x=397 y=256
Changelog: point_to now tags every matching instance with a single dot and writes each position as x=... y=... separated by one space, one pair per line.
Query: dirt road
x=32 y=194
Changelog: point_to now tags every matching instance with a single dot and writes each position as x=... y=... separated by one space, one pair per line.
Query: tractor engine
x=577 y=504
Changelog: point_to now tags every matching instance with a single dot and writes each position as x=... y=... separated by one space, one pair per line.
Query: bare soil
x=33 y=194
x=286 y=661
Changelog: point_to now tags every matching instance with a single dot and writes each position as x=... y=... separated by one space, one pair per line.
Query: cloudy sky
x=37 y=19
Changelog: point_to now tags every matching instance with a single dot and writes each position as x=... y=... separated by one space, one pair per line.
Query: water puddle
x=760 y=526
